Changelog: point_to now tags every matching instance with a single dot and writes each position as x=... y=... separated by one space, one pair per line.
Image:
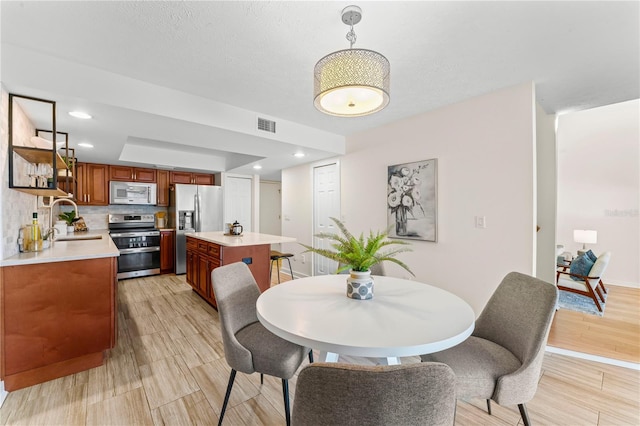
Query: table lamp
x=585 y=236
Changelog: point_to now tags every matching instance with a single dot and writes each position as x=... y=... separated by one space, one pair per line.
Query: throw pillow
x=581 y=266
x=591 y=256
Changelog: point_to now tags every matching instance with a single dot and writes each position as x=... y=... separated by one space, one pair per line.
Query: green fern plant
x=358 y=254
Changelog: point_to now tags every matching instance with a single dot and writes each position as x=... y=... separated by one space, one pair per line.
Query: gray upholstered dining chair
x=248 y=346
x=502 y=358
x=349 y=394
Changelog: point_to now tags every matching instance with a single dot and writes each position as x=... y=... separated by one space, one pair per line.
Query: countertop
x=76 y=247
x=246 y=239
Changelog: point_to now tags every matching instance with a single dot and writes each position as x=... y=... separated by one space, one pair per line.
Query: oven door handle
x=135 y=234
x=139 y=250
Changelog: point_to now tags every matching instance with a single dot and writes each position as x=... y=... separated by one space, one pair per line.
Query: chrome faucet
x=53 y=203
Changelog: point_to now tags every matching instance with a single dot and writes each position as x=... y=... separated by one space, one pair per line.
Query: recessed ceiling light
x=80 y=114
x=257 y=167
x=299 y=154
x=85 y=145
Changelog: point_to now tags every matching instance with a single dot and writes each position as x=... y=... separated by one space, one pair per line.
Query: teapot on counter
x=235 y=228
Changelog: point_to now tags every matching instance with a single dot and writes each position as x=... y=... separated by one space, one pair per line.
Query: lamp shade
x=351 y=83
x=585 y=236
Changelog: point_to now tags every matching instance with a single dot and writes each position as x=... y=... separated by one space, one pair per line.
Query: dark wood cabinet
x=162 y=179
x=132 y=174
x=167 y=251
x=192 y=178
x=192 y=262
x=203 y=257
x=203 y=179
x=93 y=185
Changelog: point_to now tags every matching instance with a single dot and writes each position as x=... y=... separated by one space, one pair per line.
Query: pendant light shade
x=351 y=82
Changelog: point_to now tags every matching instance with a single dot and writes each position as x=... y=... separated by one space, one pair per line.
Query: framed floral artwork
x=412 y=208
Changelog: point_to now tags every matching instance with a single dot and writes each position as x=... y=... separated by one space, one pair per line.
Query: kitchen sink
x=79 y=237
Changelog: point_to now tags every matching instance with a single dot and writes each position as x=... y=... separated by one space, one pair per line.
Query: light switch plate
x=481 y=221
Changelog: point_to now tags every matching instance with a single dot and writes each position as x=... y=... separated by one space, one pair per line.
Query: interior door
x=270 y=208
x=326 y=202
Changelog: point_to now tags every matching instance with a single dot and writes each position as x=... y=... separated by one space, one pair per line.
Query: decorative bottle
x=36 y=234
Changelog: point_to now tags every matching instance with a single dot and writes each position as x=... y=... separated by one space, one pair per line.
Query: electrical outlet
x=302 y=258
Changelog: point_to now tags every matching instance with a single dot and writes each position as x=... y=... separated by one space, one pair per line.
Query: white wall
x=485 y=149
x=546 y=179
x=599 y=184
x=17 y=207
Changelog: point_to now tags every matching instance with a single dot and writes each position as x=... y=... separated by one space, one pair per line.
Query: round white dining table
x=404 y=318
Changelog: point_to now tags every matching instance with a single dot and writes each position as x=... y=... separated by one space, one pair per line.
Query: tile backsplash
x=96 y=217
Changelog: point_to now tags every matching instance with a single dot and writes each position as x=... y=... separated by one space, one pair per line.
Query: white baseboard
x=596 y=358
x=622 y=283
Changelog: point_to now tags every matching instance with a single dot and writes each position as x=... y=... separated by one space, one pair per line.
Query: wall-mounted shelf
x=26 y=116
x=39 y=156
x=44 y=192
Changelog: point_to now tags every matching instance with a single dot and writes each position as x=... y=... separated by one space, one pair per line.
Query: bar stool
x=275 y=256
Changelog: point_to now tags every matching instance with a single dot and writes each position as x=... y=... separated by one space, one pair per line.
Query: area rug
x=577 y=302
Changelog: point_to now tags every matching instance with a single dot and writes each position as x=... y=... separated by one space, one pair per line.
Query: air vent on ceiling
x=266 y=125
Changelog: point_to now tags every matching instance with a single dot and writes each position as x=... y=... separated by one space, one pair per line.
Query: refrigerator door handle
x=196 y=213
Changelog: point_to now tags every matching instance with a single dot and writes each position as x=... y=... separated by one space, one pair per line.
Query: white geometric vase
x=360 y=285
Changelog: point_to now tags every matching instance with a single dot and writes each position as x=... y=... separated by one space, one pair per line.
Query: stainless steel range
x=138 y=241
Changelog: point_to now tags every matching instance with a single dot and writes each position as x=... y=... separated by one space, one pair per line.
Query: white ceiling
x=187 y=80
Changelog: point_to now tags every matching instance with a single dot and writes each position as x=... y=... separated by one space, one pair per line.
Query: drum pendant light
x=351 y=82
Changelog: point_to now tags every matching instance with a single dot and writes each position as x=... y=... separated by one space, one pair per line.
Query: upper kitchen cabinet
x=192 y=178
x=93 y=184
x=34 y=161
x=132 y=174
x=163 y=188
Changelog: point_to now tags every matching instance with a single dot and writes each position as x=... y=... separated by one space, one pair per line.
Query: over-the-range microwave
x=132 y=193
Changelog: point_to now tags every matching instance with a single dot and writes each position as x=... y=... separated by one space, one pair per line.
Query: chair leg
x=311 y=356
x=600 y=294
x=232 y=377
x=285 y=393
x=290 y=268
x=277 y=267
x=592 y=294
x=489 y=406
x=525 y=416
x=601 y=284
x=270 y=270
x=261 y=379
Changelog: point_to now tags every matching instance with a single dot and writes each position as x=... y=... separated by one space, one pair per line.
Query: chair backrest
x=518 y=315
x=600 y=265
x=377 y=269
x=349 y=394
x=236 y=293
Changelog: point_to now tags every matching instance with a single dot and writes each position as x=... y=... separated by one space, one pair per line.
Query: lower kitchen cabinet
x=58 y=319
x=204 y=256
x=167 y=251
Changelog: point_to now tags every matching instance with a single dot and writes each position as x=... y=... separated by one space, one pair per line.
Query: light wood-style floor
x=169 y=369
x=614 y=335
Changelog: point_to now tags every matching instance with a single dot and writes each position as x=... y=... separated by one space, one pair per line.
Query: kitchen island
x=209 y=250
x=59 y=309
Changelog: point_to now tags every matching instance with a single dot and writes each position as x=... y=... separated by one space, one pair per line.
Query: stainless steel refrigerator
x=193 y=208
